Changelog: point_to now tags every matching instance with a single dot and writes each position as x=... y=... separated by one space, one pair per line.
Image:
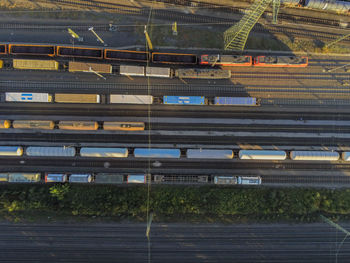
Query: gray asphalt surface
x=172 y=243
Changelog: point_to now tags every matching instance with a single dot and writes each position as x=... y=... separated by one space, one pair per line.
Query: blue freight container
x=244 y=101
x=189 y=100
x=156 y=153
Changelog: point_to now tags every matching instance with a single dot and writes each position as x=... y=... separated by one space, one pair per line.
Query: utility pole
x=97 y=36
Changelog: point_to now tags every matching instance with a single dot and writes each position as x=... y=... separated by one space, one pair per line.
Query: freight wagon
x=242 y=180
x=227 y=180
x=188 y=100
x=23 y=49
x=80 y=178
x=280 y=61
x=5 y=124
x=156 y=153
x=24 y=177
x=79 y=52
x=35 y=64
x=262 y=155
x=27 y=97
x=131 y=99
x=181 y=179
x=236 y=101
x=77 y=98
x=174 y=58
x=55 y=178
x=50 y=151
x=89 y=67
x=209 y=154
x=226 y=60
x=158 y=72
x=126 y=55
x=137 y=178
x=197 y=73
x=314 y=156
x=102 y=178
x=104 y=152
x=249 y=180
x=132 y=70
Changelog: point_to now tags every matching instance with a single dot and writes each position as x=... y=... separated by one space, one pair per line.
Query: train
x=325 y=5
x=172 y=153
x=99 y=53
x=31 y=97
x=109 y=178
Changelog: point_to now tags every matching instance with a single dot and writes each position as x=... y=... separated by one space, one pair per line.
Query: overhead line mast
x=235 y=37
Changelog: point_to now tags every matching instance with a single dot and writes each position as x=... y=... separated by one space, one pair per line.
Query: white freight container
x=132 y=70
x=131 y=99
x=27 y=97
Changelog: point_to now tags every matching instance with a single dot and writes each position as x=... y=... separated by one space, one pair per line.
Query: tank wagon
x=33 y=124
x=324 y=5
x=314 y=156
x=209 y=154
x=104 y=152
x=346 y=156
x=123 y=126
x=50 y=151
x=78 y=125
x=262 y=155
x=156 y=153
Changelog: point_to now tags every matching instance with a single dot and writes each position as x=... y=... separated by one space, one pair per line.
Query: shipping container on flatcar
x=123 y=126
x=33 y=124
x=27 y=97
x=11 y=151
x=80 y=52
x=132 y=70
x=156 y=153
x=104 y=152
x=78 y=125
x=81 y=178
x=55 y=178
x=174 y=58
x=249 y=180
x=236 y=101
x=197 y=73
x=35 y=64
x=131 y=99
x=262 y=155
x=126 y=55
x=102 y=178
x=314 y=156
x=346 y=156
x=5 y=124
x=76 y=98
x=209 y=154
x=51 y=151
x=187 y=100
x=226 y=60
x=158 y=72
x=24 y=177
x=223 y=179
x=137 y=178
x=22 y=49
x=281 y=61
x=89 y=67
x=3 y=49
